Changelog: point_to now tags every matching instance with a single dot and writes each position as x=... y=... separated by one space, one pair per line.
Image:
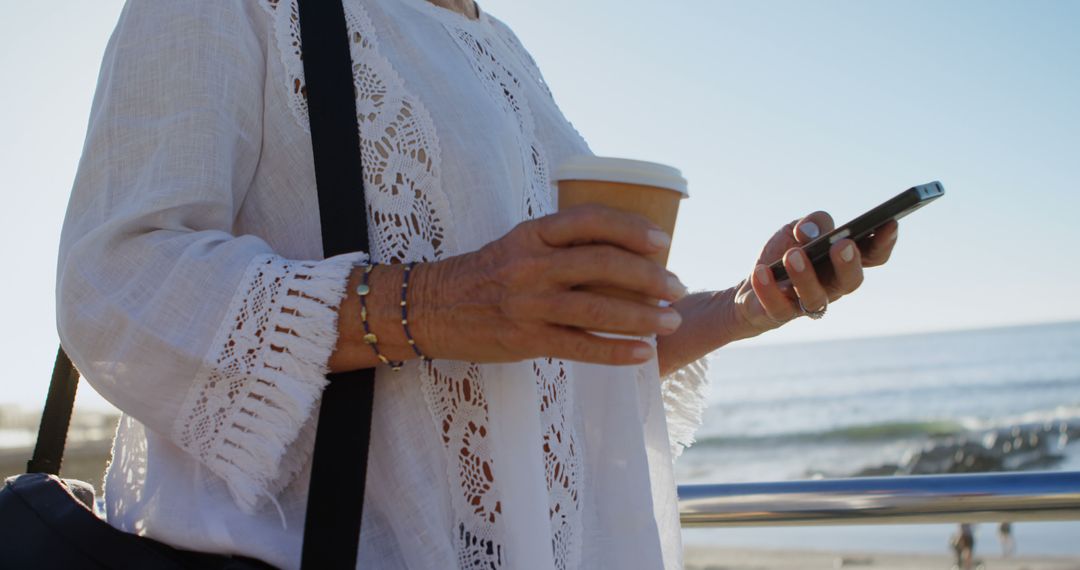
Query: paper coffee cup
x=647 y=188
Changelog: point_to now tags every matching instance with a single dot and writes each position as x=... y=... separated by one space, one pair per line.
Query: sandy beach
x=706 y=558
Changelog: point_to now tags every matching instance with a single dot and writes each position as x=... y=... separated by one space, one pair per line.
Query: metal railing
x=1040 y=496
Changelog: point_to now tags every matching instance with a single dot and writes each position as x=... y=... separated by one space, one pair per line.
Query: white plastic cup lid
x=587 y=167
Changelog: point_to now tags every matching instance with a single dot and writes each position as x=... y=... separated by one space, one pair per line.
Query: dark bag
x=50 y=523
x=47 y=526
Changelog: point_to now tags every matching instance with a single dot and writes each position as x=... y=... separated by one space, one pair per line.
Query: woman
x=193 y=294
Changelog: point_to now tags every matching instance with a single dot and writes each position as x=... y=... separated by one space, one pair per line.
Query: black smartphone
x=895 y=208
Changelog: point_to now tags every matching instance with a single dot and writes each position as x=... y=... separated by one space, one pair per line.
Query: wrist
x=740 y=323
x=383 y=310
x=709 y=322
x=382 y=306
x=730 y=322
x=425 y=295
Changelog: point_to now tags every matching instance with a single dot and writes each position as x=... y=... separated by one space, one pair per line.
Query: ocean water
x=988 y=400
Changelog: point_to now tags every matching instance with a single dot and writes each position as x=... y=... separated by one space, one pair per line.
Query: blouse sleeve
x=209 y=339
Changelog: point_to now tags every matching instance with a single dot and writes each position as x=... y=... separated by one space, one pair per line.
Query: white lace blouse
x=193 y=294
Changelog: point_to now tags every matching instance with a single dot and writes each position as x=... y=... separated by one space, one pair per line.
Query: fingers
x=594 y=312
x=777 y=306
x=599 y=224
x=878 y=248
x=814 y=287
x=809 y=228
x=573 y=344
x=804 y=279
x=796 y=233
x=847 y=268
x=609 y=265
x=845 y=275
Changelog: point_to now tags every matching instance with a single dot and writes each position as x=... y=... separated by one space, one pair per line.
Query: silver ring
x=815 y=315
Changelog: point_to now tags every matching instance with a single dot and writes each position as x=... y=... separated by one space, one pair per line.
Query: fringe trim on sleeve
x=685 y=393
x=265 y=374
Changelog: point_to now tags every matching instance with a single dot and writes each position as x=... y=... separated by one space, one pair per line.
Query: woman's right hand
x=515 y=298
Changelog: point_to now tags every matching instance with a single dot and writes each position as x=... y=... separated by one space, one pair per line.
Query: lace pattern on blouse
x=561 y=454
x=529 y=64
x=455 y=397
x=562 y=462
x=685 y=391
x=266 y=370
x=287 y=36
x=410 y=219
x=407 y=210
x=507 y=92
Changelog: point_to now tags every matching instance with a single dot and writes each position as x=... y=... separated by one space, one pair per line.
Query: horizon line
x=943 y=331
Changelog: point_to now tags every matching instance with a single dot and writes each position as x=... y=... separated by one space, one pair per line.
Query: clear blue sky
x=771 y=109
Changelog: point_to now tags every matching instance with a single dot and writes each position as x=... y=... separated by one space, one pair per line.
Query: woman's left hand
x=758 y=304
x=764 y=304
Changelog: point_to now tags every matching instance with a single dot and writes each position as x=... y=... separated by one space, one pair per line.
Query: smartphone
x=895 y=208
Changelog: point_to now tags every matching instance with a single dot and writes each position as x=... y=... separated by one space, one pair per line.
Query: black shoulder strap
x=339 y=463
x=55 y=418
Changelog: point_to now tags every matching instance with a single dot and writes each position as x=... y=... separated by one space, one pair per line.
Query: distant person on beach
x=963 y=543
x=1005 y=536
x=194 y=295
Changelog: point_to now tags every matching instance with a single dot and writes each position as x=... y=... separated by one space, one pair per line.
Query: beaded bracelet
x=405 y=312
x=369 y=337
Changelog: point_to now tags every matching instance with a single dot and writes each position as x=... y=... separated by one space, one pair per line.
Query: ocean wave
x=876 y=432
x=1065 y=419
x=1019 y=447
x=853 y=388
x=1033 y=440
x=1070 y=414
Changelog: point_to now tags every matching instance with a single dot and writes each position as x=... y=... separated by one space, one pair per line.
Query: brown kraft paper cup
x=650 y=189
